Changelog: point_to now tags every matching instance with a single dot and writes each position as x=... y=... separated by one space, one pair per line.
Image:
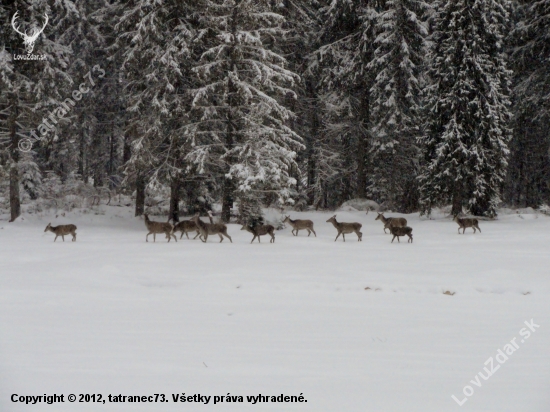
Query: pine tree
x=156 y=54
x=466 y=141
x=396 y=107
x=342 y=60
x=528 y=182
x=241 y=133
x=32 y=89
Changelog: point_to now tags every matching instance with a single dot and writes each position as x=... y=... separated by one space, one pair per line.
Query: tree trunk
x=227 y=199
x=175 y=199
x=362 y=150
x=15 y=201
x=457 y=200
x=311 y=142
x=140 y=195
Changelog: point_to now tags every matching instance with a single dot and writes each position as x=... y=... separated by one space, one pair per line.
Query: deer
x=397 y=232
x=159 y=227
x=391 y=221
x=464 y=223
x=29 y=40
x=260 y=230
x=211 y=228
x=298 y=225
x=62 y=230
x=186 y=226
x=344 y=228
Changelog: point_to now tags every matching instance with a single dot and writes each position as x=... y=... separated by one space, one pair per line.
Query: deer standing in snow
x=391 y=221
x=159 y=227
x=344 y=228
x=260 y=230
x=467 y=222
x=62 y=230
x=298 y=225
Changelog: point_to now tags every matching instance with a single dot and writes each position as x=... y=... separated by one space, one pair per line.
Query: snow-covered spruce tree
x=396 y=106
x=467 y=134
x=91 y=142
x=303 y=24
x=528 y=181
x=342 y=61
x=241 y=133
x=32 y=89
x=156 y=70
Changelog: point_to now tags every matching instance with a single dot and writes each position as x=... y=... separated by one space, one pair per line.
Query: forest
x=182 y=104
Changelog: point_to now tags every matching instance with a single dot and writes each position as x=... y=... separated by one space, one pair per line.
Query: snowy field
x=355 y=326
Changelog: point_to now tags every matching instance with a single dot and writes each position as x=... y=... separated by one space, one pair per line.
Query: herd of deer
x=396 y=225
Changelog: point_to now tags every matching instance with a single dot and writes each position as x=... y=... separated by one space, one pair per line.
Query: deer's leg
x=231 y=240
x=63 y=237
x=154 y=237
x=147 y=236
x=74 y=237
x=344 y=236
x=197 y=235
x=337 y=236
x=259 y=239
x=314 y=232
x=478 y=229
x=174 y=236
x=394 y=236
x=308 y=232
x=253 y=239
x=221 y=237
x=56 y=237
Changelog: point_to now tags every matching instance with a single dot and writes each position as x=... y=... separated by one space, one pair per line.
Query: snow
x=112 y=314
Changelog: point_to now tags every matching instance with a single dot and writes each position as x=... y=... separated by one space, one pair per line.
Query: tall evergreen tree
x=242 y=132
x=32 y=88
x=157 y=60
x=342 y=60
x=466 y=141
x=396 y=107
x=528 y=182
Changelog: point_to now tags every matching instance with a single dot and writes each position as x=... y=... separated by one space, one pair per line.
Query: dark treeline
x=250 y=103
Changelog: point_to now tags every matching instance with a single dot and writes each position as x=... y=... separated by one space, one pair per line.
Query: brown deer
x=62 y=230
x=186 y=226
x=206 y=229
x=298 y=225
x=344 y=228
x=159 y=227
x=397 y=232
x=391 y=221
x=260 y=230
x=464 y=223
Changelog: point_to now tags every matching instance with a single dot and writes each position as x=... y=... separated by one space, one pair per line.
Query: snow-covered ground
x=355 y=326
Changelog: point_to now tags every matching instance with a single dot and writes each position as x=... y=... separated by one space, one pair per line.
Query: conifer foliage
x=242 y=132
x=468 y=108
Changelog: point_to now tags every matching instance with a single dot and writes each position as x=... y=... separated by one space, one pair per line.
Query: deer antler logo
x=29 y=40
